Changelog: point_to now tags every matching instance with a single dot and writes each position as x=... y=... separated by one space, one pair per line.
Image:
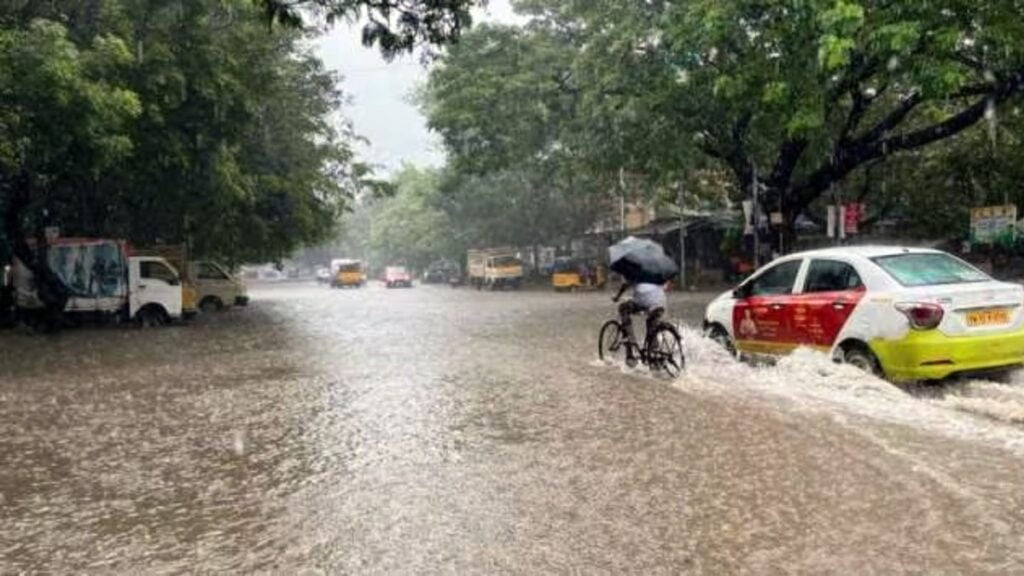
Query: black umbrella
x=642 y=261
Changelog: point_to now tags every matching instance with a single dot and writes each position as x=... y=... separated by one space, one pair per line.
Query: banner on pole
x=854 y=213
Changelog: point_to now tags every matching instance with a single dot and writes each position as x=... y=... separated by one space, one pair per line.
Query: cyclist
x=647 y=297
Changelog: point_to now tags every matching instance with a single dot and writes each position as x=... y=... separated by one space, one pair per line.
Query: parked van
x=217 y=287
x=103 y=280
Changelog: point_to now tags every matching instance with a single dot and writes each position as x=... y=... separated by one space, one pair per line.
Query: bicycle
x=662 y=352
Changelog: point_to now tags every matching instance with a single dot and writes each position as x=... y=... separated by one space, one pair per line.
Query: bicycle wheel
x=665 y=351
x=611 y=346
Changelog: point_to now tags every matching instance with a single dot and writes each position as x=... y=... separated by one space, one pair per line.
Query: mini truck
x=102 y=279
x=495 y=268
x=217 y=288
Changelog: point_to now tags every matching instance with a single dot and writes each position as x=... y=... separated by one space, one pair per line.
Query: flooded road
x=452 y=431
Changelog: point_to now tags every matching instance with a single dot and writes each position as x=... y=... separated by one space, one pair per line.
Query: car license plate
x=993 y=317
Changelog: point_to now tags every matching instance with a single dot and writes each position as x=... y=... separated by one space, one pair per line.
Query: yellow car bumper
x=349 y=279
x=933 y=355
x=566 y=281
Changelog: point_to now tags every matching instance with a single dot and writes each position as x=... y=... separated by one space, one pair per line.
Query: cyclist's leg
x=653 y=320
x=626 y=311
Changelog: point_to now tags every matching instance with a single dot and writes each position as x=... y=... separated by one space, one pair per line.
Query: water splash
x=811 y=381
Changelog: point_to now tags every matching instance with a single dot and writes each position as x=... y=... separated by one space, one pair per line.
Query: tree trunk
x=51 y=291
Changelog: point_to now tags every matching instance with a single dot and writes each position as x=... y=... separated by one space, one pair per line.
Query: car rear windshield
x=929 y=269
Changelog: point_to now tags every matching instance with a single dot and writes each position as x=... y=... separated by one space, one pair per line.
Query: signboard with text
x=993 y=224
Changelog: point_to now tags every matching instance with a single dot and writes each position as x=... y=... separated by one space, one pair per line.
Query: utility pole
x=682 y=240
x=757 y=217
x=622 y=201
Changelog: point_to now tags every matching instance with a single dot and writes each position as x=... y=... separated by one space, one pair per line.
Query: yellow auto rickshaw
x=347 y=274
x=570 y=275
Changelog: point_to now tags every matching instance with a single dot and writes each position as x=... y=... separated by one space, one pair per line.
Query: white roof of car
x=863 y=251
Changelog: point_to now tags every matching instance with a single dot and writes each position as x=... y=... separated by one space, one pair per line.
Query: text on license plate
x=988 y=317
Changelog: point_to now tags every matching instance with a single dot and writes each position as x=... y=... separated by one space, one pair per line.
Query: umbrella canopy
x=642 y=261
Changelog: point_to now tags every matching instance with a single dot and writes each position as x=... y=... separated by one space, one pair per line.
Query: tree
x=394 y=27
x=807 y=91
x=505 y=105
x=239 y=154
x=409 y=227
x=167 y=122
x=65 y=119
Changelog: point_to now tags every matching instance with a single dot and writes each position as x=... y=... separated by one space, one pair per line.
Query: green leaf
x=834 y=52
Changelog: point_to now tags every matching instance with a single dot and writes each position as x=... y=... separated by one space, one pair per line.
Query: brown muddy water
x=436 y=430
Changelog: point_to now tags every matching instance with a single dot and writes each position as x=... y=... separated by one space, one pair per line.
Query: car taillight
x=922 y=315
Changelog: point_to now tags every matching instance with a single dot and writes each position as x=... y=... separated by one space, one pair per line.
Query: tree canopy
x=190 y=120
x=806 y=95
x=393 y=27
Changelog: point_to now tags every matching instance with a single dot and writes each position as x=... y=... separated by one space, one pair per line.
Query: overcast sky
x=380 y=92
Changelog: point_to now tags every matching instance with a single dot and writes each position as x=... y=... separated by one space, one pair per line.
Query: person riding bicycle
x=647 y=297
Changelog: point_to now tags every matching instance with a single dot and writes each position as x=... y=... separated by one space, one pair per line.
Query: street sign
x=993 y=224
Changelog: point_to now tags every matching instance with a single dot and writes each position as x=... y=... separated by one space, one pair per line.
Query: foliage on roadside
x=809 y=96
x=190 y=120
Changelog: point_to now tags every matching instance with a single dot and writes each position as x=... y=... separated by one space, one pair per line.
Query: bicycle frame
x=642 y=353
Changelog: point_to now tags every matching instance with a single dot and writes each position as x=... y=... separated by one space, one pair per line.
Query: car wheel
x=860 y=356
x=719 y=336
x=211 y=304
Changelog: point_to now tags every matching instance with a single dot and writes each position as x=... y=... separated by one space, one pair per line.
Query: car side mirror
x=740 y=293
x=174 y=282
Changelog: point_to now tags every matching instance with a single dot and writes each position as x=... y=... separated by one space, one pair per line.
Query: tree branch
x=866 y=149
x=892 y=120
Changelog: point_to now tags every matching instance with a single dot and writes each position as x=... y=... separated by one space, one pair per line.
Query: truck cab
x=494 y=268
x=503 y=271
x=216 y=287
x=155 y=290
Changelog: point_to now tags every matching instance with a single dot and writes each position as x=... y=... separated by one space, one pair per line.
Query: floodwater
x=437 y=430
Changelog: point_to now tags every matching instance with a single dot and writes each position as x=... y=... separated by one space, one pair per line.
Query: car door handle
x=777 y=306
x=839 y=305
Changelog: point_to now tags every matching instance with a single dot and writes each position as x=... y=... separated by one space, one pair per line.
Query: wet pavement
x=436 y=430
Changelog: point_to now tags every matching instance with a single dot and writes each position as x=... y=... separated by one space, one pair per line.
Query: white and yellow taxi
x=905 y=313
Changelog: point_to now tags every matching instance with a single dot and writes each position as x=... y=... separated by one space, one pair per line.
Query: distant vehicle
x=906 y=314
x=571 y=274
x=103 y=280
x=217 y=287
x=323 y=275
x=397 y=277
x=440 y=272
x=347 y=274
x=494 y=269
x=270 y=275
